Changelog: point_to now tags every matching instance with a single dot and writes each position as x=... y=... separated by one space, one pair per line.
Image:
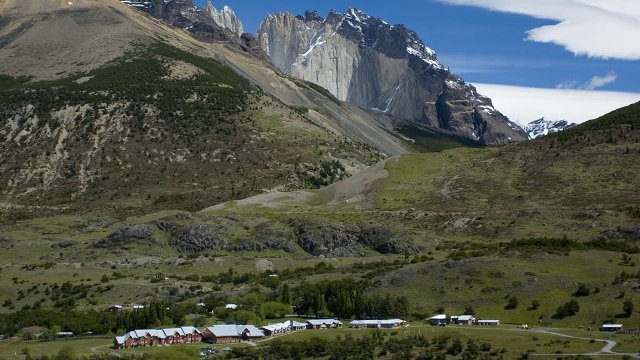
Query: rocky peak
x=311 y=16
x=205 y=24
x=388 y=68
x=225 y=18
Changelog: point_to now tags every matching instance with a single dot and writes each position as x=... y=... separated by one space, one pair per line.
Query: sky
x=558 y=59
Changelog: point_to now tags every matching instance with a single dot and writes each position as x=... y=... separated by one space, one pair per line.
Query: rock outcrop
x=197 y=238
x=543 y=127
x=225 y=18
x=206 y=24
x=126 y=236
x=387 y=68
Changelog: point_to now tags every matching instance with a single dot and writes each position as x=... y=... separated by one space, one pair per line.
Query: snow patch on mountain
x=543 y=127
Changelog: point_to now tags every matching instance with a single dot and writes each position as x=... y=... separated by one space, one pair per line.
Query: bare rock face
x=126 y=236
x=206 y=24
x=386 y=68
x=197 y=238
x=225 y=18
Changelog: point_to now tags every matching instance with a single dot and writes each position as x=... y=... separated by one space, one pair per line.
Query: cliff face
x=225 y=18
x=383 y=67
x=206 y=24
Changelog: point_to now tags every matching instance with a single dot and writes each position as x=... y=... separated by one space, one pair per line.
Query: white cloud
x=594 y=28
x=594 y=83
x=523 y=105
x=597 y=81
x=569 y=84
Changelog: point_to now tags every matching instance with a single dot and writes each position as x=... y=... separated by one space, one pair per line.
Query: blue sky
x=582 y=45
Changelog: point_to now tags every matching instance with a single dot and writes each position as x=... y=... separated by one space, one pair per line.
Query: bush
x=535 y=304
x=512 y=303
x=583 y=290
x=568 y=309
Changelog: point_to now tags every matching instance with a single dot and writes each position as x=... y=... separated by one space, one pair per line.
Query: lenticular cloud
x=594 y=28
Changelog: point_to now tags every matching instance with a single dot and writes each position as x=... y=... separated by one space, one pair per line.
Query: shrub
x=583 y=290
x=535 y=304
x=568 y=309
x=512 y=303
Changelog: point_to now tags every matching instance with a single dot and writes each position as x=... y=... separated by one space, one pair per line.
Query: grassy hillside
x=512 y=233
x=158 y=129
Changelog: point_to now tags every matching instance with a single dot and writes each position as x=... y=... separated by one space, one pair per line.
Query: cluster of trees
x=156 y=314
x=569 y=308
x=346 y=299
x=323 y=174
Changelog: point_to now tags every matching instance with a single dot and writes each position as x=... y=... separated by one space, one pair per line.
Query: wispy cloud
x=594 y=28
x=594 y=83
x=470 y=64
x=598 y=81
x=524 y=104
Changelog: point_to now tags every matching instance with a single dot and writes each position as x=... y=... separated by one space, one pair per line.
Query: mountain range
x=377 y=66
x=365 y=61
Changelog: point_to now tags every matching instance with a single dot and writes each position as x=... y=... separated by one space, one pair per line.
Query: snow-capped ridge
x=542 y=127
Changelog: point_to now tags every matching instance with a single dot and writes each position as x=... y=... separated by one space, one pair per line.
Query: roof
x=611 y=325
x=121 y=339
x=235 y=330
x=173 y=331
x=438 y=317
x=490 y=320
x=142 y=333
x=190 y=330
x=223 y=330
x=277 y=326
x=298 y=324
x=316 y=322
x=465 y=317
x=159 y=333
x=252 y=330
x=377 y=322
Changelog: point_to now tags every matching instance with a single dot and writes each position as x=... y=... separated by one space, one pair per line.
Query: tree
x=66 y=353
x=512 y=303
x=273 y=309
x=572 y=307
x=627 y=307
x=469 y=310
x=583 y=290
x=535 y=304
x=456 y=347
x=286 y=294
x=568 y=309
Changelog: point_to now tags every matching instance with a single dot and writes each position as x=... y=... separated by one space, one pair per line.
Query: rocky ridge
x=226 y=18
x=313 y=237
x=206 y=24
x=386 y=68
x=543 y=127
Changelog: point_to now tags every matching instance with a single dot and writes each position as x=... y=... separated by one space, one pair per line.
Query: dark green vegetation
x=428 y=140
